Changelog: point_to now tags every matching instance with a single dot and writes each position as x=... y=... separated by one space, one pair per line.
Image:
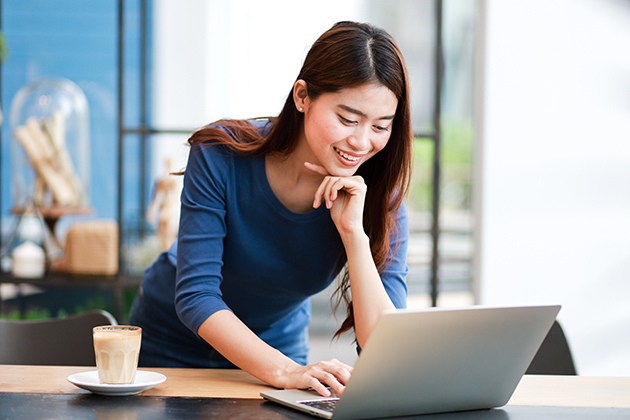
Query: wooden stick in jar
x=55 y=128
x=62 y=192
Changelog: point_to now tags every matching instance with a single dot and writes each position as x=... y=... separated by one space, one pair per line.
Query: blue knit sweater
x=242 y=250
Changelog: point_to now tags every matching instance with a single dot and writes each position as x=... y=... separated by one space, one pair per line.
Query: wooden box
x=92 y=248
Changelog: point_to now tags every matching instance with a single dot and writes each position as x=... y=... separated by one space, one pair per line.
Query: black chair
x=553 y=356
x=57 y=342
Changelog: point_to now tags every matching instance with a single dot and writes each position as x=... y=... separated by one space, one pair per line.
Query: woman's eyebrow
x=363 y=114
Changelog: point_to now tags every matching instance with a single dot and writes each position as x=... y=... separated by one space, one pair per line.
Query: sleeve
x=395 y=274
x=201 y=232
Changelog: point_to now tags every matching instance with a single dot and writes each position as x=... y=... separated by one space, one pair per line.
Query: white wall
x=553 y=180
x=218 y=59
x=232 y=58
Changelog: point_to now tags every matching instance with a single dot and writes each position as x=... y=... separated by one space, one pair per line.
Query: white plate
x=89 y=380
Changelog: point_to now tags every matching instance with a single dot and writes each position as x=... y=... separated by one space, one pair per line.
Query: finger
x=319 y=387
x=335 y=185
x=335 y=188
x=331 y=192
x=332 y=381
x=344 y=372
x=319 y=194
x=341 y=371
x=316 y=168
x=334 y=374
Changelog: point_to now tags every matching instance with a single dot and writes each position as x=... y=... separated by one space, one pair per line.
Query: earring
x=301 y=109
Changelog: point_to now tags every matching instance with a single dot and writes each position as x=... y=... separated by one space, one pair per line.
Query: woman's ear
x=300 y=95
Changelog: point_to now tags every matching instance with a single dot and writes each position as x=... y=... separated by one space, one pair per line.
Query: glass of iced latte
x=116 y=348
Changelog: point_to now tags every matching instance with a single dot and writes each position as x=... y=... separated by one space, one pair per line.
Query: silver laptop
x=433 y=361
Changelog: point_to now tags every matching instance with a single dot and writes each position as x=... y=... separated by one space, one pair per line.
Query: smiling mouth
x=347 y=156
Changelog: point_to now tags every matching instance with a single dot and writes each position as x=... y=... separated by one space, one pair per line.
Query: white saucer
x=89 y=380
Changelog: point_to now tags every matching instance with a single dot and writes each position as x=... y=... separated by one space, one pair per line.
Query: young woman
x=274 y=209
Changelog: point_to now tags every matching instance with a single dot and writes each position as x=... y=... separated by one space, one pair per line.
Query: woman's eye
x=347 y=121
x=379 y=128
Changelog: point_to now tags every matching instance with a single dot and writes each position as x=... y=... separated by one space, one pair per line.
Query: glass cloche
x=51 y=148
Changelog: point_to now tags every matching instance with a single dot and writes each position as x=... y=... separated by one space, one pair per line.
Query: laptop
x=434 y=361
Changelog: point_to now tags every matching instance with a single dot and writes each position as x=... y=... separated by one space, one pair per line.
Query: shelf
x=73 y=280
x=58 y=280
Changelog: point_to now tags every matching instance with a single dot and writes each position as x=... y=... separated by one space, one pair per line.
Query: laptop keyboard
x=323 y=404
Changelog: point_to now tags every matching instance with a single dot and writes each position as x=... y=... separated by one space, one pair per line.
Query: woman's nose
x=360 y=139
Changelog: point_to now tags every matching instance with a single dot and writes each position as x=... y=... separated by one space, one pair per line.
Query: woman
x=274 y=209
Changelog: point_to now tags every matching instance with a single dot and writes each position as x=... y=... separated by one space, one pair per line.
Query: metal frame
x=437 y=154
x=143 y=129
x=4 y=122
x=4 y=117
x=436 y=170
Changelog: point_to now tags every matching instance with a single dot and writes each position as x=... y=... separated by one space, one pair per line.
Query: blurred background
x=521 y=185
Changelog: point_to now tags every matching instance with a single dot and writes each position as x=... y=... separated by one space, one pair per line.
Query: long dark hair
x=349 y=54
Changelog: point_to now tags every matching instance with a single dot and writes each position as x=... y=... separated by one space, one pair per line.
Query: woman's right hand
x=331 y=373
x=344 y=196
x=234 y=340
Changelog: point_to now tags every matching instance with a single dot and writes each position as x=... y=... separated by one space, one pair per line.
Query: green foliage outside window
x=457 y=159
x=4 y=50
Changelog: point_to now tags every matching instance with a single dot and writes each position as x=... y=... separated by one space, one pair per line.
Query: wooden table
x=211 y=383
x=206 y=390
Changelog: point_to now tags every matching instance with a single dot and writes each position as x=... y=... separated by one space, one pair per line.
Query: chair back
x=553 y=356
x=60 y=342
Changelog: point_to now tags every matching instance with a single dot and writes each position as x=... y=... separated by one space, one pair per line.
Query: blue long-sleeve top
x=240 y=249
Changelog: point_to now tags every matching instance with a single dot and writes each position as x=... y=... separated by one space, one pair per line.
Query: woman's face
x=346 y=128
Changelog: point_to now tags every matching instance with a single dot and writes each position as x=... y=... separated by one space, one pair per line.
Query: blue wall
x=76 y=39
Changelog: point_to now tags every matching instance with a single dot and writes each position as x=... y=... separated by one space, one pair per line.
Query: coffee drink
x=117 y=348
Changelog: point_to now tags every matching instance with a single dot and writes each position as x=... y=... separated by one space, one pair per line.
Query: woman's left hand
x=344 y=196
